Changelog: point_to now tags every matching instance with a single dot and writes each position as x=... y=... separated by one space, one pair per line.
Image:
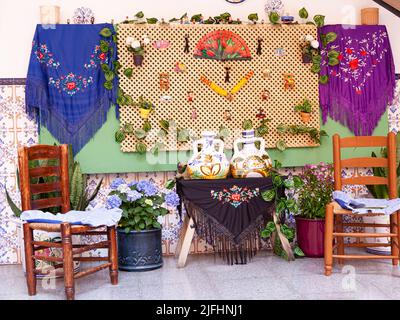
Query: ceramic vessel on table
x=210 y=162
x=250 y=161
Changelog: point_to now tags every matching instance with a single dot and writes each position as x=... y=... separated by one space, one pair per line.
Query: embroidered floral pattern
x=96 y=58
x=43 y=55
x=71 y=83
x=359 y=58
x=235 y=196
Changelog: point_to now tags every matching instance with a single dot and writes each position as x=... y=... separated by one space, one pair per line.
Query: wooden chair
x=69 y=250
x=334 y=234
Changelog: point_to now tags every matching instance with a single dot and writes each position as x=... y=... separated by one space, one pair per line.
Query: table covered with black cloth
x=228 y=213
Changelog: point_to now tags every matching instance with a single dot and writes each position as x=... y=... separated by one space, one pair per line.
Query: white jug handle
x=262 y=143
x=196 y=146
x=236 y=145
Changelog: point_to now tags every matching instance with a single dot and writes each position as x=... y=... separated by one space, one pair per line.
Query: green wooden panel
x=102 y=154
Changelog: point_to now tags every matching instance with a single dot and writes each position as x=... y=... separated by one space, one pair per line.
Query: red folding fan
x=222 y=45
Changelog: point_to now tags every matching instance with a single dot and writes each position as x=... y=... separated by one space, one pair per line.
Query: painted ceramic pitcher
x=250 y=161
x=210 y=162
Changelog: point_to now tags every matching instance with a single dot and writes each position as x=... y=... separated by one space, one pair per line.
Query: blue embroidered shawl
x=65 y=83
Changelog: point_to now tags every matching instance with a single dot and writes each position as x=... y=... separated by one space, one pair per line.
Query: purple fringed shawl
x=362 y=85
x=65 y=89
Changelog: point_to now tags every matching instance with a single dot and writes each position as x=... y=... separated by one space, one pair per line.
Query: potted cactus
x=305 y=109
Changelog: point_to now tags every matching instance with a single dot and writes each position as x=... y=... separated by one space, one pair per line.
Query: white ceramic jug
x=250 y=161
x=210 y=162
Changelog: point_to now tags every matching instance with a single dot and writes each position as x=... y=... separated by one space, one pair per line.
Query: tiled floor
x=206 y=277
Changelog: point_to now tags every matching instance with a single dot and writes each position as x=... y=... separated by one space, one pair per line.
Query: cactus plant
x=381 y=191
x=80 y=197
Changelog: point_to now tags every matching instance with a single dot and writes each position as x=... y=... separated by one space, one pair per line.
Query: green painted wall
x=102 y=154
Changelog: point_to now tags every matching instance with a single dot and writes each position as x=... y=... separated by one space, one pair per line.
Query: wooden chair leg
x=187 y=241
x=66 y=238
x=328 y=245
x=181 y=236
x=394 y=241
x=29 y=260
x=340 y=240
x=113 y=254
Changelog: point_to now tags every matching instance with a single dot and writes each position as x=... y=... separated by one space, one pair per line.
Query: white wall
x=19 y=17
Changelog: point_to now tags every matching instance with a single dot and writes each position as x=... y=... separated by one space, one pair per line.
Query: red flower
x=71 y=85
x=235 y=197
x=340 y=57
x=210 y=53
x=349 y=51
x=358 y=91
x=40 y=55
x=102 y=56
x=334 y=73
x=363 y=52
x=354 y=64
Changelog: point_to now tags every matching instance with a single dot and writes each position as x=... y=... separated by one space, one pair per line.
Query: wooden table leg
x=187 y=241
x=181 y=236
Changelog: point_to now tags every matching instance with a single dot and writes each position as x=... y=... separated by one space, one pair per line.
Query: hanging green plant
x=183 y=135
x=128 y=72
x=274 y=17
x=106 y=32
x=303 y=13
x=146 y=126
x=140 y=134
x=119 y=136
x=141 y=147
x=314 y=134
x=247 y=124
x=164 y=124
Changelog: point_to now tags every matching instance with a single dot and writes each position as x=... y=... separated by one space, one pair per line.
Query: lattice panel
x=211 y=106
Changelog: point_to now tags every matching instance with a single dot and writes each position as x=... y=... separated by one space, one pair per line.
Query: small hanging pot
x=305 y=117
x=138 y=60
x=307 y=58
x=145 y=113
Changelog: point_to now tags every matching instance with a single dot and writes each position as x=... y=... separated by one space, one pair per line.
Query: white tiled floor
x=265 y=277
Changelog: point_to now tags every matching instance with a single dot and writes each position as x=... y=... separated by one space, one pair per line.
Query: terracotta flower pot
x=310 y=236
x=138 y=60
x=305 y=117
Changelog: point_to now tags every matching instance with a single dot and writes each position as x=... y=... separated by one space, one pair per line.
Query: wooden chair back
x=47 y=155
x=366 y=162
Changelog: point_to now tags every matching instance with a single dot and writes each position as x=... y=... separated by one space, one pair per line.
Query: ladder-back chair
x=334 y=224
x=55 y=160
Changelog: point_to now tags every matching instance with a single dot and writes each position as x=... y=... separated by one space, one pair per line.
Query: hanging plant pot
x=145 y=113
x=307 y=58
x=139 y=250
x=138 y=60
x=305 y=117
x=310 y=236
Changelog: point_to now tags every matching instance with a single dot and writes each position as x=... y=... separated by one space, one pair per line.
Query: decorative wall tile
x=16 y=129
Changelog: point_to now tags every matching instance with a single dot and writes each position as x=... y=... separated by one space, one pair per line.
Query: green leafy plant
x=105 y=46
x=142 y=103
x=382 y=191
x=305 y=106
x=314 y=134
x=303 y=13
x=253 y=17
x=281 y=235
x=274 y=17
x=316 y=191
x=142 y=203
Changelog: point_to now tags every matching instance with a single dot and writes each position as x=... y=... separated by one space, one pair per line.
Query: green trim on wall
x=102 y=154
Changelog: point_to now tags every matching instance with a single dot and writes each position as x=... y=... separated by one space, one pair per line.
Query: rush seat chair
x=334 y=223
x=59 y=187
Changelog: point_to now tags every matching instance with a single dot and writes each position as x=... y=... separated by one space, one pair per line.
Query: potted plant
x=145 y=107
x=137 y=48
x=313 y=197
x=139 y=230
x=305 y=110
x=309 y=48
